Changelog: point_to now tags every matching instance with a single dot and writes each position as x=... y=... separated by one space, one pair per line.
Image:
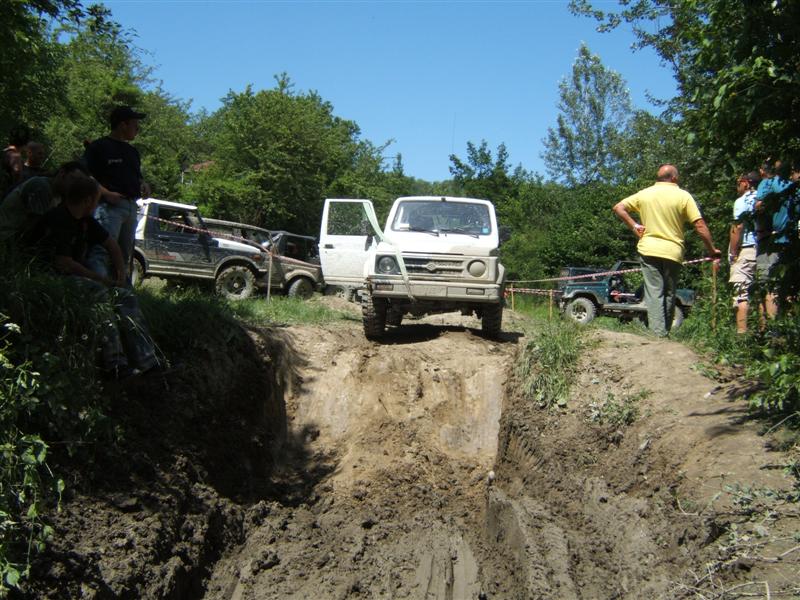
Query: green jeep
x=619 y=295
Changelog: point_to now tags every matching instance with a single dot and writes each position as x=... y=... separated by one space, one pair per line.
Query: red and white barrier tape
x=605 y=273
x=233 y=238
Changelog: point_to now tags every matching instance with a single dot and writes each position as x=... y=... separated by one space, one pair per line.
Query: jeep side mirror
x=504 y=232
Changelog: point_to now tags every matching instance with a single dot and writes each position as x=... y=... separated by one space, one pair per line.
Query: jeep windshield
x=437 y=216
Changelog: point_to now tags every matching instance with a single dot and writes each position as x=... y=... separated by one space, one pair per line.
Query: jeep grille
x=434 y=267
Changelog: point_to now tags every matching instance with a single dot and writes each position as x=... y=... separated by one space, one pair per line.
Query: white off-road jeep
x=436 y=254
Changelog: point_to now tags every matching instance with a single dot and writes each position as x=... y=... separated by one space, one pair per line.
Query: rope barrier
x=233 y=238
x=604 y=273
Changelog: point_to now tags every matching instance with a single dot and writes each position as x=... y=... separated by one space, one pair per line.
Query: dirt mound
x=311 y=463
x=588 y=502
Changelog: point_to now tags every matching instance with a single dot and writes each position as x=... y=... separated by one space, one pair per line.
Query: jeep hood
x=444 y=243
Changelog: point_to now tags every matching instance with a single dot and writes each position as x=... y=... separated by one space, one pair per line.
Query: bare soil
x=308 y=462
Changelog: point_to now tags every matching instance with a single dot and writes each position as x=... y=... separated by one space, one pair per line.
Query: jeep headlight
x=476 y=268
x=386 y=265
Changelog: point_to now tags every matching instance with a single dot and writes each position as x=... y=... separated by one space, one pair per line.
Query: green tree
x=98 y=69
x=594 y=110
x=482 y=175
x=275 y=154
x=737 y=66
x=28 y=61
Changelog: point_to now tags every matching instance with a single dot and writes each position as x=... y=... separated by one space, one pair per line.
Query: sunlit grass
x=289 y=311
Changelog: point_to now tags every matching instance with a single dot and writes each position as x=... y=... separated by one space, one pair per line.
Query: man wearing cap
x=742 y=246
x=664 y=209
x=116 y=165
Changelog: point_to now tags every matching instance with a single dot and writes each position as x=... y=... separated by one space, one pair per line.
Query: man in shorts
x=742 y=248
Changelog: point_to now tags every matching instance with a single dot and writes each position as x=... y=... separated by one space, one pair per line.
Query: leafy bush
x=771 y=356
x=48 y=395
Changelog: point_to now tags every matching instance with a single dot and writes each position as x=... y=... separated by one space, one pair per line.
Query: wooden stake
x=550 y=316
x=269 y=276
x=714 y=269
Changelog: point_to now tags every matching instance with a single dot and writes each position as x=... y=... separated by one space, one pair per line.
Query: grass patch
x=288 y=311
x=617 y=412
x=548 y=363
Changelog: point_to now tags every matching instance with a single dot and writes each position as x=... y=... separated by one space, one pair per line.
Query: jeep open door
x=348 y=229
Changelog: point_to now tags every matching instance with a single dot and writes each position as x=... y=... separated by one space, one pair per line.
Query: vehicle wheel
x=492 y=320
x=581 y=310
x=236 y=283
x=394 y=317
x=137 y=273
x=373 y=314
x=677 y=318
x=300 y=288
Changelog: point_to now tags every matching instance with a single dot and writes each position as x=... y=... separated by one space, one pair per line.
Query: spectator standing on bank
x=774 y=213
x=35 y=155
x=10 y=170
x=27 y=202
x=116 y=165
x=63 y=238
x=664 y=209
x=742 y=246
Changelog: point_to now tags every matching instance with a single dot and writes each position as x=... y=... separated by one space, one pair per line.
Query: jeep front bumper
x=381 y=287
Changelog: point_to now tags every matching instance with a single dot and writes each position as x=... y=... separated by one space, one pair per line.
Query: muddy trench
x=310 y=463
x=440 y=482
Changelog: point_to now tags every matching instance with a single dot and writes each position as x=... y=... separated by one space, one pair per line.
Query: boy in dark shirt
x=64 y=236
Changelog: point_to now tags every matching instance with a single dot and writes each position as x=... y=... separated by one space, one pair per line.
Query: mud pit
x=410 y=428
x=414 y=469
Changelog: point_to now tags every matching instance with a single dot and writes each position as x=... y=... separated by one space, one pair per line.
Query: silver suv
x=172 y=242
x=436 y=254
x=295 y=261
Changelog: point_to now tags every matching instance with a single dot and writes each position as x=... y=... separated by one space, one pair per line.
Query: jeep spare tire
x=236 y=283
x=581 y=310
x=300 y=288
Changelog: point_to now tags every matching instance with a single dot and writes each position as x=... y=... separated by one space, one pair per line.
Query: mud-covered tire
x=581 y=310
x=373 y=315
x=236 y=283
x=677 y=318
x=137 y=272
x=300 y=288
x=394 y=317
x=492 y=320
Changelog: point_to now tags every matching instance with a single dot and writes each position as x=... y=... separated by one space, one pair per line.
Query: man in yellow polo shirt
x=664 y=210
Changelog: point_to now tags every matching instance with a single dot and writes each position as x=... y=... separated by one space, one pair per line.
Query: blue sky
x=429 y=75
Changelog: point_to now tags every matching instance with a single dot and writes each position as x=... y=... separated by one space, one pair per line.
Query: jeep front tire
x=373 y=315
x=581 y=310
x=300 y=288
x=236 y=283
x=492 y=320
